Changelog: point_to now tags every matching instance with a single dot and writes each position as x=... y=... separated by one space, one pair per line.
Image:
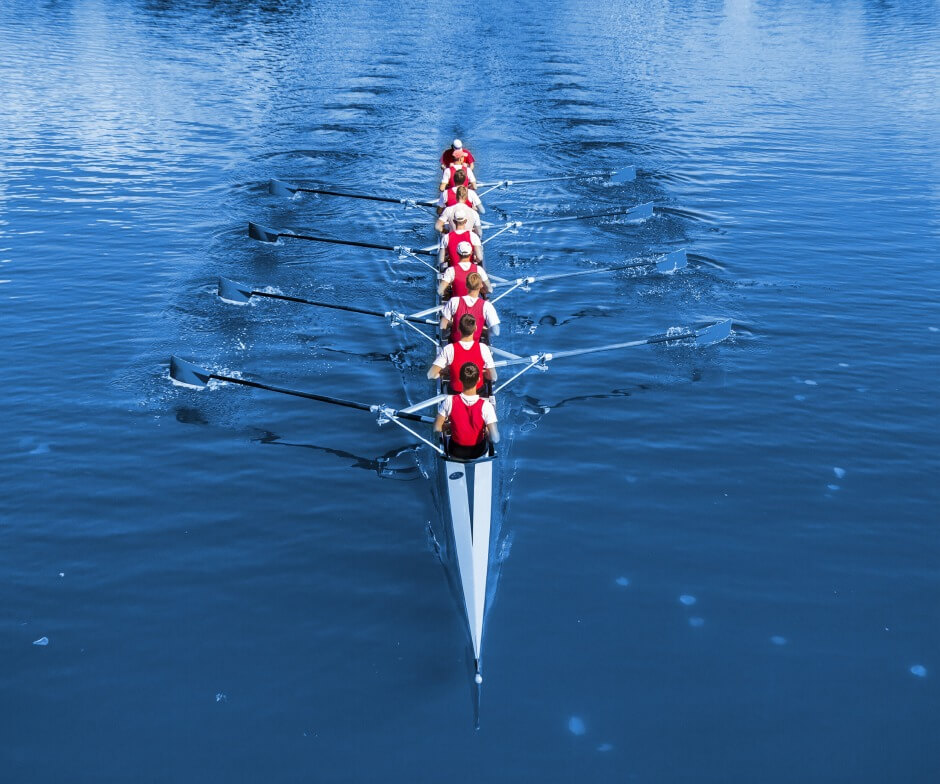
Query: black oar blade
x=714 y=333
x=261 y=233
x=235 y=293
x=188 y=374
x=676 y=260
x=627 y=174
x=281 y=188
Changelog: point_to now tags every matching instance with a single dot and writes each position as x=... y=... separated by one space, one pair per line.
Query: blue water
x=715 y=565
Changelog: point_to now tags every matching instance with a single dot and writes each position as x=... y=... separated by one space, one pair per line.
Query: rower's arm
x=491 y=430
x=439 y=226
x=444 y=285
x=434 y=372
x=489 y=374
x=439 y=423
x=478 y=253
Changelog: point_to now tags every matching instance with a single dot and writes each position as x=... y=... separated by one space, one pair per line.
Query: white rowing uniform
x=450 y=272
x=473 y=219
x=489 y=312
x=488 y=412
x=451 y=193
x=446 y=357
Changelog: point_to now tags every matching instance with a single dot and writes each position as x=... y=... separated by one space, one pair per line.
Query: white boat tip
x=478 y=678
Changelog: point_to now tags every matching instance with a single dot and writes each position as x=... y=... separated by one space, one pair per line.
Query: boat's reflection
x=380 y=465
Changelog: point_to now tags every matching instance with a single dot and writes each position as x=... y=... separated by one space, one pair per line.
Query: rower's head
x=467 y=325
x=460 y=219
x=469 y=377
x=460 y=178
x=461 y=191
x=474 y=283
x=457 y=145
x=464 y=249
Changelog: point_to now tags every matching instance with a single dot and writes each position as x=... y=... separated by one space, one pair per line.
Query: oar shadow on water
x=379 y=465
x=403 y=359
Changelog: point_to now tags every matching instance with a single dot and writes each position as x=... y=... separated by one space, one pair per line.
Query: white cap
x=457 y=145
x=460 y=215
x=464 y=248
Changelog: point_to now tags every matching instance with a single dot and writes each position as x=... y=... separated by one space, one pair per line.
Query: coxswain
x=447 y=178
x=453 y=196
x=447 y=157
x=445 y=222
x=472 y=418
x=466 y=349
x=455 y=276
x=476 y=306
x=460 y=232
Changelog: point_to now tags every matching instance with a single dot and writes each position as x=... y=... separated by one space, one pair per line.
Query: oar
x=704 y=336
x=637 y=212
x=264 y=234
x=671 y=262
x=239 y=294
x=281 y=188
x=618 y=177
x=190 y=375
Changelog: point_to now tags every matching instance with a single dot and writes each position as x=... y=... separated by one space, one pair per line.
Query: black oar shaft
x=364 y=196
x=353 y=243
x=337 y=401
x=331 y=305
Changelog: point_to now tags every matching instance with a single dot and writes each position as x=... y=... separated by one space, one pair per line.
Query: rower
x=446 y=220
x=455 y=277
x=467 y=349
x=472 y=418
x=471 y=303
x=447 y=178
x=459 y=233
x=452 y=196
x=447 y=157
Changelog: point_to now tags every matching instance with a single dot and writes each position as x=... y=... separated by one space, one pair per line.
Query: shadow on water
x=379 y=465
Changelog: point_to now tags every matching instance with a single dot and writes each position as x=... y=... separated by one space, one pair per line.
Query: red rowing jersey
x=447 y=157
x=461 y=356
x=476 y=310
x=451 y=195
x=453 y=240
x=453 y=169
x=459 y=287
x=467 y=427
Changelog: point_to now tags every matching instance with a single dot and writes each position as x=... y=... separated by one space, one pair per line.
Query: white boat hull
x=469 y=493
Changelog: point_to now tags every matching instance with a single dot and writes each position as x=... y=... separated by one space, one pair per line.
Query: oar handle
x=336 y=401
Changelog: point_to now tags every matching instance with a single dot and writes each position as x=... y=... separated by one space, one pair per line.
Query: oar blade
x=233 y=293
x=676 y=260
x=187 y=374
x=714 y=333
x=627 y=174
x=640 y=212
x=281 y=188
x=262 y=233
